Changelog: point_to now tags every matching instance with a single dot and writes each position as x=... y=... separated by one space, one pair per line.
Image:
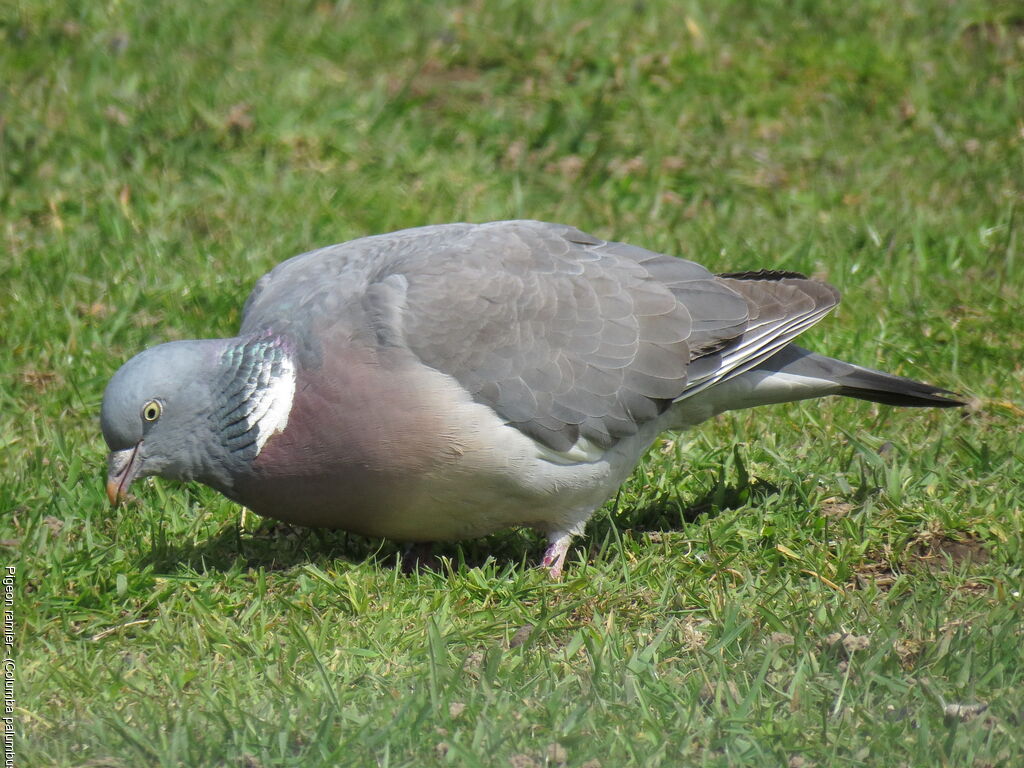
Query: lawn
x=824 y=584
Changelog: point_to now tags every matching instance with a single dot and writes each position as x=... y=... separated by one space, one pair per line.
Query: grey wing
x=567 y=336
x=254 y=297
x=324 y=287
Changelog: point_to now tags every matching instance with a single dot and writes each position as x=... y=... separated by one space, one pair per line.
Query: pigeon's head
x=156 y=415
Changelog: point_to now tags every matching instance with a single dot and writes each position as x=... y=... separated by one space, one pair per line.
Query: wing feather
x=564 y=335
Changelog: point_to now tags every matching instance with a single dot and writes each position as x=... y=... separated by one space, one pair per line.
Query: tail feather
x=861 y=383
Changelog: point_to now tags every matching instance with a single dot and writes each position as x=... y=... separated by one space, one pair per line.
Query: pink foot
x=554 y=557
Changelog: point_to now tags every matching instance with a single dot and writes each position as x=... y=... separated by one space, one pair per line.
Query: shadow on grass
x=671 y=514
x=279 y=546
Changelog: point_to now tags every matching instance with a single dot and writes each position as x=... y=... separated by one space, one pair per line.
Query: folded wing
x=568 y=337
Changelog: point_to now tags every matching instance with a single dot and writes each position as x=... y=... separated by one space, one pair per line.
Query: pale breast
x=379 y=444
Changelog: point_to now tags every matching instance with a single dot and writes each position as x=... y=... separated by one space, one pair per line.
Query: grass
x=819 y=584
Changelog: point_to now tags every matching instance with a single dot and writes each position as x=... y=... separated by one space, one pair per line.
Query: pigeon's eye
x=151 y=411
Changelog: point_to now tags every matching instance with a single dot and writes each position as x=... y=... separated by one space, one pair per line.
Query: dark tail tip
x=862 y=383
x=887 y=389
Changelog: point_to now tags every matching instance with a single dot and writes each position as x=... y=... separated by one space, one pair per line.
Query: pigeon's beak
x=122 y=467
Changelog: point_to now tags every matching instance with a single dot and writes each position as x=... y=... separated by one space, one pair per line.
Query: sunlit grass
x=817 y=584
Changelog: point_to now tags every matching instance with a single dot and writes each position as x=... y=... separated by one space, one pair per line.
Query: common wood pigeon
x=445 y=382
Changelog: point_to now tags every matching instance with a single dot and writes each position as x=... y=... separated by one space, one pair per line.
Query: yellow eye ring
x=151 y=410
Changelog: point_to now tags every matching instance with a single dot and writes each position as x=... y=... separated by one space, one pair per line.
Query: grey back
x=564 y=335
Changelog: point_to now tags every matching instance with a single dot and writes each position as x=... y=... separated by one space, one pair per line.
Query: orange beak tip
x=123 y=466
x=113 y=488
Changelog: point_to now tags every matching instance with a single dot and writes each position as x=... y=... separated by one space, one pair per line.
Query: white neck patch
x=257 y=394
x=273 y=404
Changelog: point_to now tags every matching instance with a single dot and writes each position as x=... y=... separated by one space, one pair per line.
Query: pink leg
x=554 y=557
